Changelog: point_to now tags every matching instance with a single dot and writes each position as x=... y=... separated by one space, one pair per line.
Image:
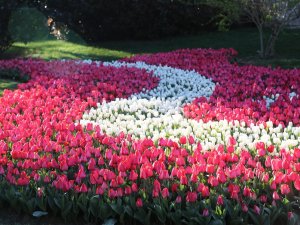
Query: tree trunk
x=261 y=40
x=270 y=47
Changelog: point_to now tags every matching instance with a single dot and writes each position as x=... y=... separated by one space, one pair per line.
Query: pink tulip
x=191 y=196
x=139 y=203
x=205 y=212
x=284 y=189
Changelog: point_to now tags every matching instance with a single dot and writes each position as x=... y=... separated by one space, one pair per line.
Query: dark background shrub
x=5 y=11
x=97 y=20
x=13 y=74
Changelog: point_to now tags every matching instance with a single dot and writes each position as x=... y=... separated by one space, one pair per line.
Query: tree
x=27 y=24
x=227 y=11
x=272 y=14
x=6 y=9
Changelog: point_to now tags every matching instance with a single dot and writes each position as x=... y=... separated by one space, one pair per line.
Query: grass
x=7 y=84
x=58 y=49
x=245 y=41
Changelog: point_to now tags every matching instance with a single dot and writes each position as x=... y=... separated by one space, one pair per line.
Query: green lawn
x=245 y=41
x=57 y=49
x=7 y=84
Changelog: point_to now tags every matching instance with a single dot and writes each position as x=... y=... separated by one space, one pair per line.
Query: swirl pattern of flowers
x=187 y=136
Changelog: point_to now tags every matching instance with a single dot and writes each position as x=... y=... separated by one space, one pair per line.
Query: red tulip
x=275 y=196
x=134 y=187
x=244 y=207
x=285 y=189
x=165 y=193
x=220 y=200
x=205 y=191
x=191 y=140
x=139 y=203
x=191 y=196
x=182 y=140
x=174 y=187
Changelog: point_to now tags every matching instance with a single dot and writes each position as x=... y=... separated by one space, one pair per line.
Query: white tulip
x=158 y=113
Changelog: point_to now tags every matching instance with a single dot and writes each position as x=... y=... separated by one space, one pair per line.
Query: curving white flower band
x=158 y=113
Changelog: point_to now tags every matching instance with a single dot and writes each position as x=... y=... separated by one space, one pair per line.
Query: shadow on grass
x=244 y=40
x=7 y=84
x=16 y=52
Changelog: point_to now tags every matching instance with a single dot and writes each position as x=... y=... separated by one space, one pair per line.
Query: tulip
x=127 y=123
x=178 y=199
x=182 y=140
x=134 y=187
x=285 y=189
x=165 y=192
x=290 y=215
x=244 y=207
x=191 y=196
x=205 y=212
x=139 y=203
x=256 y=209
x=220 y=200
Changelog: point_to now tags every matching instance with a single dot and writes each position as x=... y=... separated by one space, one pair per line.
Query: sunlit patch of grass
x=57 y=49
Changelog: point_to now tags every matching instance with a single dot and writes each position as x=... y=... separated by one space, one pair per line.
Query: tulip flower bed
x=184 y=137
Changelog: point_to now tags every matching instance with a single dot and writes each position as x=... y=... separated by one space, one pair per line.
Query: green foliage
x=107 y=20
x=227 y=11
x=274 y=15
x=7 y=84
x=5 y=42
x=28 y=24
x=245 y=41
x=13 y=74
x=96 y=208
x=9 y=79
